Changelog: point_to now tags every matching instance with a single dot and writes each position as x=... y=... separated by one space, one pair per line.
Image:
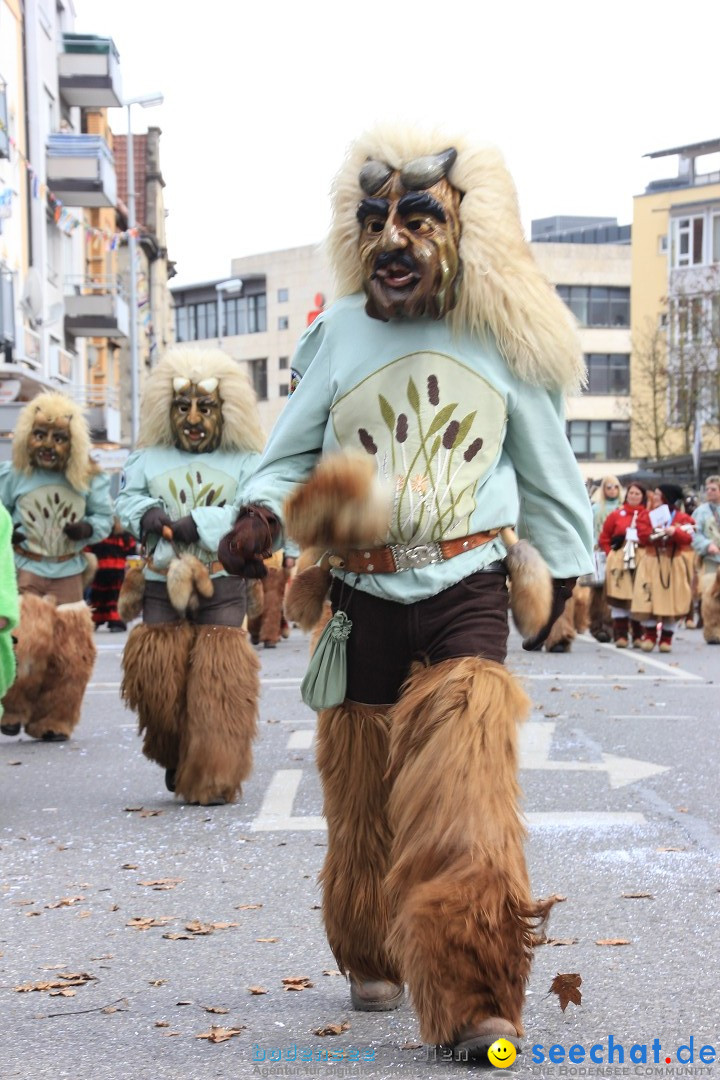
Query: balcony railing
x=89 y=71
x=96 y=307
x=81 y=170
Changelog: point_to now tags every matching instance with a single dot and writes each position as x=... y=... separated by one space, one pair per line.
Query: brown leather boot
x=375 y=995
x=474 y=1041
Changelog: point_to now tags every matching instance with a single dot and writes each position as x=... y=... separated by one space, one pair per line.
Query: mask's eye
x=415 y=224
x=60 y=438
x=374 y=225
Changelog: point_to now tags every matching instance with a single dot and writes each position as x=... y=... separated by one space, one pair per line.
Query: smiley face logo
x=501 y=1054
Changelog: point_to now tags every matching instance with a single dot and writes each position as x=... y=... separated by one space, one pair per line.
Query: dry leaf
x=297 y=982
x=157 y=982
x=61 y=983
x=66 y=901
x=29 y=913
x=109 y=1009
x=147 y=921
x=567 y=988
x=13 y=763
x=129 y=865
x=247 y=907
x=82 y=914
x=670 y=849
x=196 y=927
x=150 y=813
x=65 y=992
x=681 y=809
x=555 y=689
x=272 y=939
x=183 y=1002
x=23 y=903
x=178 y=937
x=411 y=1046
x=214 y=1009
x=162 y=884
x=105 y=956
x=133 y=810
x=559 y=941
x=332 y=1029
x=613 y=941
x=331 y=972
x=162 y=1023
x=219 y=1034
x=637 y=896
x=257 y=989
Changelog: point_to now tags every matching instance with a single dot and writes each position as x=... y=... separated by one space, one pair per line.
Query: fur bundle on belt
x=187 y=581
x=130 y=600
x=531 y=587
x=306 y=593
x=341 y=505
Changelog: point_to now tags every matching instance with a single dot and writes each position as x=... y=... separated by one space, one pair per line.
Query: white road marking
x=535 y=744
x=276 y=812
x=301 y=740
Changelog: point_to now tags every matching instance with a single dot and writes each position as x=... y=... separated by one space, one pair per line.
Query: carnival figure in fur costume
x=440 y=374
x=188 y=669
x=59 y=501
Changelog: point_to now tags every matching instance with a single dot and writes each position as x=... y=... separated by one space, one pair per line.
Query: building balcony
x=96 y=308
x=81 y=170
x=89 y=71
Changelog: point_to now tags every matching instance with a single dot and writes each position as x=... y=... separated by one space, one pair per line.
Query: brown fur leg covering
x=581 y=614
x=222 y=702
x=352 y=747
x=34 y=646
x=600 y=618
x=463 y=921
x=155 y=666
x=274 y=594
x=69 y=668
x=563 y=632
x=710 y=608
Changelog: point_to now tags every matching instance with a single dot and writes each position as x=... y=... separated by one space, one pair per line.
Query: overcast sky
x=263 y=96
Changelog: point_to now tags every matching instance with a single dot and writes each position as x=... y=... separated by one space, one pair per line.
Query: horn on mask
x=423 y=172
x=373 y=175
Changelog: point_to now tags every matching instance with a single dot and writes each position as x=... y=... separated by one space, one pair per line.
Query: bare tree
x=650 y=415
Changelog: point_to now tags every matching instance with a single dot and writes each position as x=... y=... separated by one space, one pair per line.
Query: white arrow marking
x=536 y=740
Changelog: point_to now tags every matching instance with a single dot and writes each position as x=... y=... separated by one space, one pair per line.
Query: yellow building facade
x=675 y=311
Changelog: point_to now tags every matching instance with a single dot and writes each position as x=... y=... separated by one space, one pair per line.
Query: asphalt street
x=133 y=926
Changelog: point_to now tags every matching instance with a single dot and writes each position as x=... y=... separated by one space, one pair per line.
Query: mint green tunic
x=41 y=503
x=462 y=444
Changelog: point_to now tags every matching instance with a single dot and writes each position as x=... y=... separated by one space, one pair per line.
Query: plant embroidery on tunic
x=435 y=428
x=45 y=512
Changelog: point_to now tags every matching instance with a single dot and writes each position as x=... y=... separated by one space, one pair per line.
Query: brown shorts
x=66 y=590
x=226 y=606
x=468 y=619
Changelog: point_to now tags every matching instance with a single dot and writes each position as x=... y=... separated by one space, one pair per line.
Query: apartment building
x=676 y=307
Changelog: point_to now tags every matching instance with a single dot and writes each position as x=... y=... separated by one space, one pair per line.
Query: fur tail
x=531 y=591
x=187 y=581
x=341 y=505
x=130 y=600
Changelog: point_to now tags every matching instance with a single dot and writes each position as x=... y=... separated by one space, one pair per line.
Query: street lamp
x=147 y=101
x=232 y=285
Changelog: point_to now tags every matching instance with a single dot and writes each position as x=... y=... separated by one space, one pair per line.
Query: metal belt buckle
x=414 y=558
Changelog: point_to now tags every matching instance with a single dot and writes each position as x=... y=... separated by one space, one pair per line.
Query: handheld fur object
x=531 y=591
x=91 y=565
x=187 y=581
x=710 y=608
x=306 y=596
x=255 y=598
x=132 y=591
x=341 y=505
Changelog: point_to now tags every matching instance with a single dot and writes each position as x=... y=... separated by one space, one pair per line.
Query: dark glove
x=185 y=530
x=17 y=535
x=562 y=591
x=153 y=521
x=78 y=530
x=618 y=542
x=251 y=539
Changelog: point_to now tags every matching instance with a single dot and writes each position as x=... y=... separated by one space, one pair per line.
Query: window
x=283 y=389
x=597 y=305
x=258 y=377
x=283 y=296
x=196 y=322
x=283 y=363
x=599 y=439
x=608 y=373
x=662 y=244
x=245 y=315
x=283 y=322
x=687 y=248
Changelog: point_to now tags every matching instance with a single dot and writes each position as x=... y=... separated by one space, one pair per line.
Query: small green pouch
x=326 y=677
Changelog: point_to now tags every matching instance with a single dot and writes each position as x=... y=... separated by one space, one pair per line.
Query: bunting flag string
x=62 y=217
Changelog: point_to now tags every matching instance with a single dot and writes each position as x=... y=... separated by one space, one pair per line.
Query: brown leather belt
x=396 y=557
x=212 y=568
x=35 y=557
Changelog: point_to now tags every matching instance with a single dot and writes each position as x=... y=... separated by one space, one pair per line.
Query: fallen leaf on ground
x=219 y=1034
x=29 y=913
x=613 y=941
x=178 y=937
x=637 y=896
x=129 y=866
x=411 y=1046
x=146 y=921
x=132 y=810
x=560 y=941
x=14 y=762
x=247 y=907
x=196 y=927
x=681 y=809
x=66 y=901
x=150 y=813
x=61 y=983
x=162 y=1023
x=65 y=992
x=272 y=939
x=257 y=989
x=214 y=1009
x=331 y=972
x=23 y=903
x=157 y=982
x=109 y=1009
x=183 y=1002
x=567 y=988
x=297 y=982
x=332 y=1029
x=670 y=849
